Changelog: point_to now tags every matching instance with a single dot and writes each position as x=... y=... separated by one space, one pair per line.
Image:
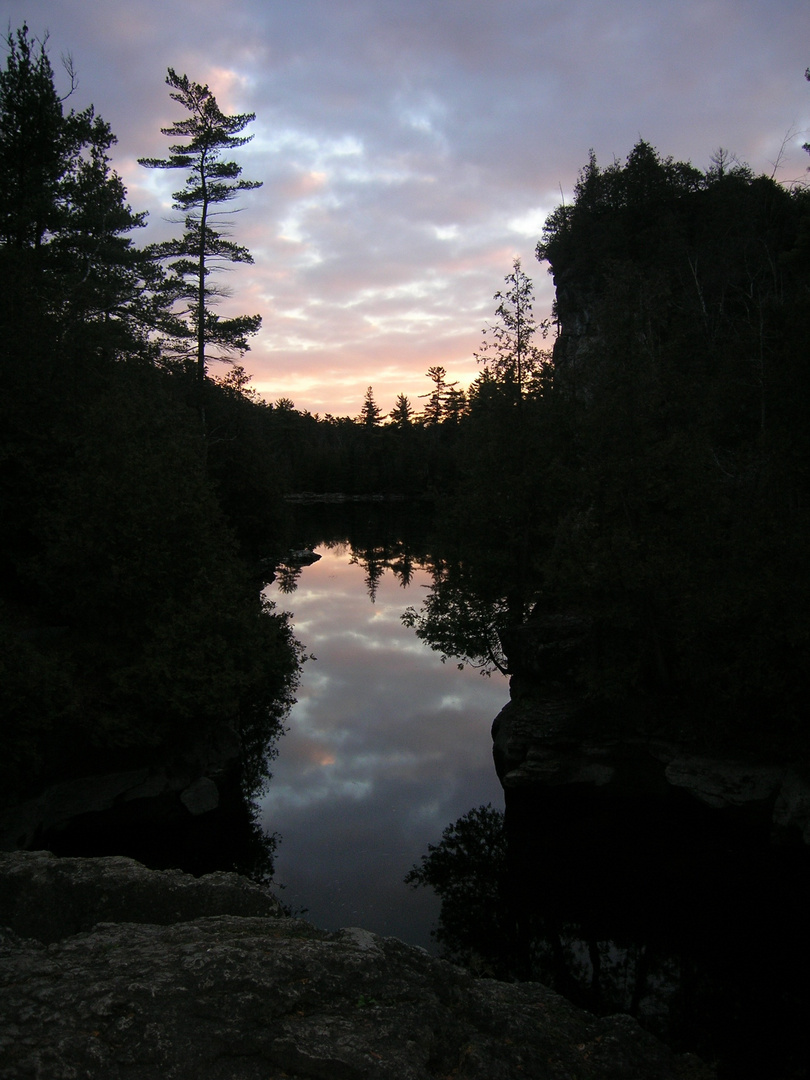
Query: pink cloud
x=402 y=145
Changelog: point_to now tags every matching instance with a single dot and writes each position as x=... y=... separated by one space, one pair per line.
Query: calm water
x=386 y=746
x=662 y=910
x=697 y=925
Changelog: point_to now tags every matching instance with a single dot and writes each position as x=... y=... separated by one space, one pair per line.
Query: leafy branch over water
x=459 y=622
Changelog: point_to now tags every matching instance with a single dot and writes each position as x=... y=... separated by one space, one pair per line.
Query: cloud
x=410 y=150
x=386 y=747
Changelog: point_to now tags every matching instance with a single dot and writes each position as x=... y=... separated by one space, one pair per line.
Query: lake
x=694 y=923
x=386 y=746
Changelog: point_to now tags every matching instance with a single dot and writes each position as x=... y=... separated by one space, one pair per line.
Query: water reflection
x=467 y=869
x=385 y=745
x=671 y=911
x=661 y=908
x=655 y=906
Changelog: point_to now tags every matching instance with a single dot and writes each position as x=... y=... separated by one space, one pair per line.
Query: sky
x=410 y=150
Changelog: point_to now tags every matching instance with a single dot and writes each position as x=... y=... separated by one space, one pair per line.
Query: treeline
x=137 y=498
x=407 y=453
x=654 y=482
x=649 y=476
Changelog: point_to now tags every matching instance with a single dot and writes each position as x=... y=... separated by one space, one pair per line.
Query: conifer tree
x=455 y=405
x=401 y=415
x=371 y=412
x=437 y=399
x=204 y=245
x=33 y=148
x=65 y=253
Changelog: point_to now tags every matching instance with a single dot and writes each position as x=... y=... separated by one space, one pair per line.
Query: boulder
x=50 y=899
x=190 y=782
x=201 y=796
x=170 y=987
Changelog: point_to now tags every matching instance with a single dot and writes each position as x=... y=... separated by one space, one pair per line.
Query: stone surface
x=725 y=783
x=60 y=803
x=201 y=796
x=547 y=737
x=49 y=899
x=542 y=739
x=792 y=807
x=242 y=996
x=190 y=780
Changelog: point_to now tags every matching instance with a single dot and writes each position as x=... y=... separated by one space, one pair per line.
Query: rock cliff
x=547 y=737
x=112 y=970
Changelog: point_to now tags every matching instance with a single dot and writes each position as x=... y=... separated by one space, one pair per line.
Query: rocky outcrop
x=190 y=782
x=205 y=979
x=301 y=557
x=546 y=737
x=50 y=899
x=781 y=791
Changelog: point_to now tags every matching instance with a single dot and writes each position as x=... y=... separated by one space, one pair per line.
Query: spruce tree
x=401 y=415
x=437 y=399
x=370 y=413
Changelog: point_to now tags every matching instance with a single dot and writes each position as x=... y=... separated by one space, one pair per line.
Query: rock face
x=545 y=737
x=51 y=899
x=203 y=978
x=190 y=781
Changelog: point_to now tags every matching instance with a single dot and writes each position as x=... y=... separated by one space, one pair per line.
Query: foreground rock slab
x=49 y=899
x=243 y=997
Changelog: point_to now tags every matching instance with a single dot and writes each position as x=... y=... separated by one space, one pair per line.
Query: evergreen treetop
x=204 y=245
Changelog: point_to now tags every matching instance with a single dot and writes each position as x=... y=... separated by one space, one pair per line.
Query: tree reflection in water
x=467 y=871
x=383 y=536
x=657 y=908
x=470 y=600
x=385 y=743
x=460 y=621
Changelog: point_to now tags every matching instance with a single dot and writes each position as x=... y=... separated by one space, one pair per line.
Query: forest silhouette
x=639 y=458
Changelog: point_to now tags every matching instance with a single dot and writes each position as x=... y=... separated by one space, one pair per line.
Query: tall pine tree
x=201 y=334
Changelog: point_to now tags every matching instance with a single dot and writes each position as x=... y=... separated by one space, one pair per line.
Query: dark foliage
x=681 y=371
x=130 y=623
x=467 y=870
x=653 y=477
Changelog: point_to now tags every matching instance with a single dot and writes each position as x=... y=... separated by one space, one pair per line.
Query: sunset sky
x=411 y=149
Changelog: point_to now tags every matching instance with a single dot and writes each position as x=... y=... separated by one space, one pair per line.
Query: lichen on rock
x=245 y=996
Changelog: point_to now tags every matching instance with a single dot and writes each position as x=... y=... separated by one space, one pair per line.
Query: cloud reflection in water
x=386 y=746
